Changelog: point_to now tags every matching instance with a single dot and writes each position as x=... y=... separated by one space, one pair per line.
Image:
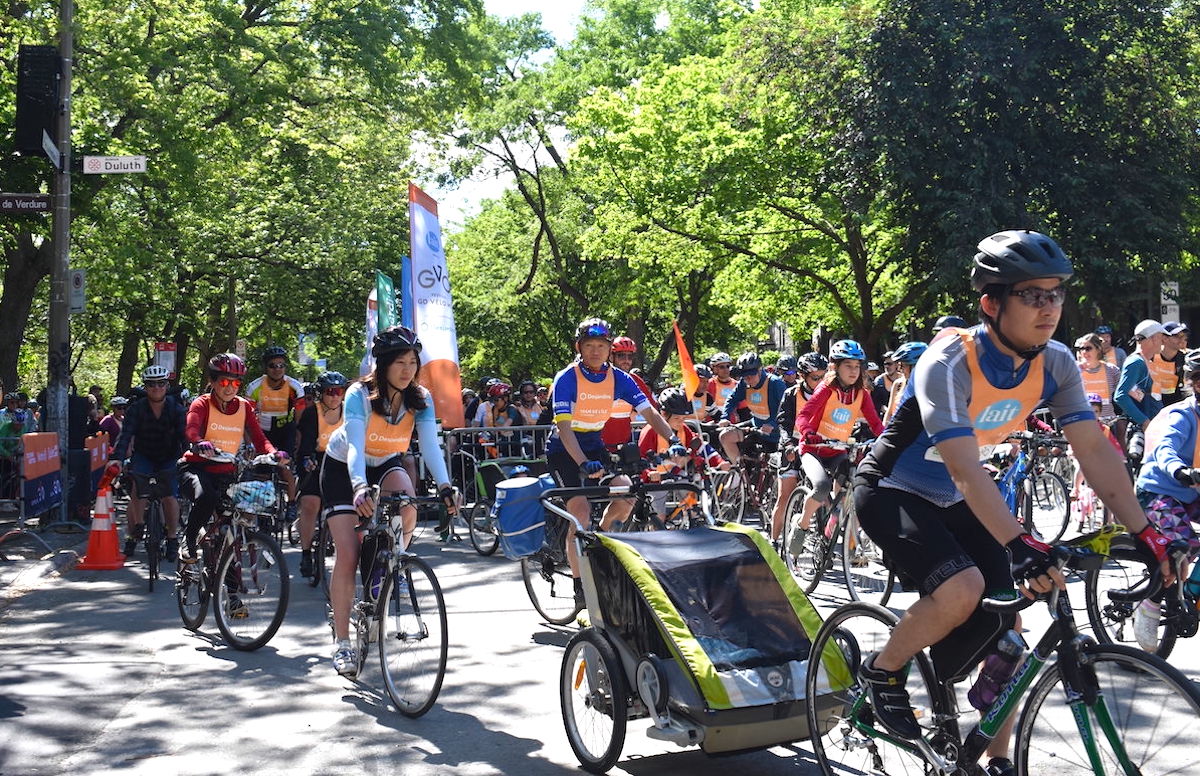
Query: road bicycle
x=239 y=565
x=834 y=535
x=1040 y=499
x=750 y=487
x=1086 y=708
x=1114 y=590
x=151 y=489
x=399 y=605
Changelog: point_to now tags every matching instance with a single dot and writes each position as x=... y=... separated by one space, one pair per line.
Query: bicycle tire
x=154 y=538
x=253 y=564
x=729 y=493
x=323 y=559
x=552 y=589
x=867 y=577
x=191 y=593
x=1112 y=621
x=485 y=534
x=804 y=550
x=413 y=639
x=840 y=744
x=1046 y=506
x=1147 y=699
x=594 y=697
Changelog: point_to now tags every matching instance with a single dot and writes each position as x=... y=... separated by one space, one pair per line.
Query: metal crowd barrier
x=12 y=491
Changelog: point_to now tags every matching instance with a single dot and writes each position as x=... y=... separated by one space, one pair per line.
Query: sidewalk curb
x=37 y=574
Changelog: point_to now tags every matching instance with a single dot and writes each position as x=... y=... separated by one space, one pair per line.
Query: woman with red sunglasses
x=217 y=421
x=317 y=424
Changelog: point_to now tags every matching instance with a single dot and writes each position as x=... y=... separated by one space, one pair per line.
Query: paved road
x=97 y=676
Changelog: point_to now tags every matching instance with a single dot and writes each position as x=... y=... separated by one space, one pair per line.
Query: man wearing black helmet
x=949 y=322
x=924 y=498
x=761 y=394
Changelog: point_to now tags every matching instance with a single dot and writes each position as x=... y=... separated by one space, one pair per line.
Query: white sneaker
x=1145 y=625
x=345 y=659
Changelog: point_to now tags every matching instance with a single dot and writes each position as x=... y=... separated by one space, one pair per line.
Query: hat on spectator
x=1148 y=328
x=1174 y=327
x=1103 y=329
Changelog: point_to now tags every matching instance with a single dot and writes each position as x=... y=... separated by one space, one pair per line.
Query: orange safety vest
x=757 y=400
x=801 y=400
x=529 y=414
x=1166 y=379
x=387 y=439
x=325 y=430
x=723 y=390
x=996 y=413
x=1096 y=382
x=594 y=402
x=274 y=401
x=226 y=431
x=839 y=419
x=1110 y=356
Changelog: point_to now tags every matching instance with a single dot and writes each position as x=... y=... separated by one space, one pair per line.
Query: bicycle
x=253 y=588
x=1115 y=589
x=752 y=484
x=152 y=489
x=834 y=532
x=1118 y=699
x=1039 y=498
x=406 y=617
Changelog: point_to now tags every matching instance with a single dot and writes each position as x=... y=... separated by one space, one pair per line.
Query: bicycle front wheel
x=804 y=549
x=841 y=723
x=154 y=537
x=191 y=593
x=729 y=492
x=1149 y=712
x=251 y=591
x=550 y=587
x=323 y=555
x=1113 y=621
x=485 y=534
x=867 y=578
x=412 y=637
x=1047 y=506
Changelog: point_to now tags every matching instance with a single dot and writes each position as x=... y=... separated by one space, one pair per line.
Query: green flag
x=385 y=294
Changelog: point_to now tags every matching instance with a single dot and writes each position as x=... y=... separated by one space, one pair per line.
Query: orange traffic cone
x=102 y=551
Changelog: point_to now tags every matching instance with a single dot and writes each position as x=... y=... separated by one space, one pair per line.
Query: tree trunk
x=127 y=362
x=26 y=265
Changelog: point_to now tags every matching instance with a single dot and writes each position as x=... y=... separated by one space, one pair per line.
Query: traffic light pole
x=59 y=364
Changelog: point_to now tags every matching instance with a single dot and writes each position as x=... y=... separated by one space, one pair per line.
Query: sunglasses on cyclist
x=336 y=390
x=814 y=377
x=1040 y=297
x=276 y=365
x=789 y=372
x=229 y=382
x=155 y=383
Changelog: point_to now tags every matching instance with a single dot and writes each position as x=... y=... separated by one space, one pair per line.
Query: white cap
x=1148 y=328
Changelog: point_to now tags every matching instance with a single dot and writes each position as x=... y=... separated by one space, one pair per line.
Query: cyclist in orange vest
x=619 y=428
x=812 y=368
x=925 y=499
x=276 y=397
x=317 y=424
x=217 y=421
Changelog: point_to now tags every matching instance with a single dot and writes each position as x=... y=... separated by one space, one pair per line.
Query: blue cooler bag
x=519 y=514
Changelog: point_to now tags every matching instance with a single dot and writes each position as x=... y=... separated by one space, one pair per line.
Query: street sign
x=51 y=150
x=76 y=291
x=24 y=203
x=1169 y=308
x=164 y=355
x=239 y=348
x=94 y=165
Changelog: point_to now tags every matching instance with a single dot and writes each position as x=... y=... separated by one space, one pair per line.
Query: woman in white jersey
x=382 y=411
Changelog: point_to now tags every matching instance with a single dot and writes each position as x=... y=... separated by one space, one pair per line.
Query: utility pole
x=59 y=364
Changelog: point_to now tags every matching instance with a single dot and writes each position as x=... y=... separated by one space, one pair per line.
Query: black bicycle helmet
x=786 y=363
x=275 y=351
x=1007 y=258
x=675 y=401
x=590 y=328
x=330 y=380
x=703 y=372
x=394 y=340
x=748 y=363
x=949 y=322
x=813 y=362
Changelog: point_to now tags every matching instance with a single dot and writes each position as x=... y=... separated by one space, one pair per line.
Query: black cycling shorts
x=930 y=543
x=336 y=489
x=310 y=482
x=565 y=471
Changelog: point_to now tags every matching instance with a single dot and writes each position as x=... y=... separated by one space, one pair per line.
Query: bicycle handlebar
x=1177 y=552
x=1064 y=557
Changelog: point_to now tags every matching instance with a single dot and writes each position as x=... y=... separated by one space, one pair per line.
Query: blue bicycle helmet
x=909 y=352
x=844 y=349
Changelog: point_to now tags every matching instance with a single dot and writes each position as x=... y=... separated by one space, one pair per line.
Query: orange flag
x=691 y=381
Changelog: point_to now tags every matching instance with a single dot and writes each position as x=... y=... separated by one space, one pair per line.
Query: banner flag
x=691 y=381
x=406 y=292
x=372 y=330
x=385 y=295
x=433 y=310
x=42 y=489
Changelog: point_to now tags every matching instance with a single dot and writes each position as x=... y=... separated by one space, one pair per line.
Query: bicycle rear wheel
x=154 y=537
x=191 y=593
x=867 y=578
x=323 y=556
x=412 y=637
x=1112 y=621
x=550 y=587
x=841 y=723
x=729 y=492
x=1047 y=506
x=1153 y=709
x=485 y=534
x=804 y=549
x=252 y=588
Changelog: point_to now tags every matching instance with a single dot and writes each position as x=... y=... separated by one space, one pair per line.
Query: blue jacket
x=1136 y=374
x=1173 y=436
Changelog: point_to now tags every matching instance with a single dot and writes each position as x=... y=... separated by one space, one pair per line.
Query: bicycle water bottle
x=997 y=669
